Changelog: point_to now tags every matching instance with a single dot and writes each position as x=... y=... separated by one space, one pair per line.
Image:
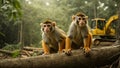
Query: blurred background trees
x=20 y=19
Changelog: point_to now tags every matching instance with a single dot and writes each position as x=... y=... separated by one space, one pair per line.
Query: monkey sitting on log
x=53 y=38
x=78 y=34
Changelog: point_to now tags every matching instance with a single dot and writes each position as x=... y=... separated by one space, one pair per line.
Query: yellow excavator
x=103 y=30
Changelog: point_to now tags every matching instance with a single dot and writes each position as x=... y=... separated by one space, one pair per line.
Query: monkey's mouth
x=81 y=24
x=47 y=31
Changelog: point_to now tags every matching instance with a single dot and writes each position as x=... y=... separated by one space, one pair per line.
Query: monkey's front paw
x=87 y=52
x=68 y=52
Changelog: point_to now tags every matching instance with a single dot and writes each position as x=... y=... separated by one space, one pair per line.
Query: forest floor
x=32 y=51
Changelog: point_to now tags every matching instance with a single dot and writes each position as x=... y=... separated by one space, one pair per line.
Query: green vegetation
x=16 y=53
x=12 y=47
x=20 y=19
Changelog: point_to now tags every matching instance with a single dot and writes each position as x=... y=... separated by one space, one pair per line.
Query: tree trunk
x=98 y=57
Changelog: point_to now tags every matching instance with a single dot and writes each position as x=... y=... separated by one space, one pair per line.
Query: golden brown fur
x=78 y=34
x=53 y=38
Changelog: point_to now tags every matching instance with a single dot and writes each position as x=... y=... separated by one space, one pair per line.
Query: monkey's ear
x=41 y=24
x=73 y=17
x=86 y=17
x=54 y=23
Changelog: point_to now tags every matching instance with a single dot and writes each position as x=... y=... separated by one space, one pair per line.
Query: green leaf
x=16 y=53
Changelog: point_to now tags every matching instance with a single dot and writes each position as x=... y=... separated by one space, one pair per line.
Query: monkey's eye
x=81 y=18
x=46 y=25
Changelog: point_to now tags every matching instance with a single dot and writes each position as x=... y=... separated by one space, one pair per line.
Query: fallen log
x=98 y=57
x=6 y=52
x=31 y=48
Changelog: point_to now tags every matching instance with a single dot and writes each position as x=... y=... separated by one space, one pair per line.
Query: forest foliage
x=20 y=19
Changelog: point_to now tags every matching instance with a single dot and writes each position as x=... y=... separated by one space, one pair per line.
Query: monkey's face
x=47 y=28
x=81 y=21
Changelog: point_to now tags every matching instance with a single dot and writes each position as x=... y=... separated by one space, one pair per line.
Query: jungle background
x=20 y=19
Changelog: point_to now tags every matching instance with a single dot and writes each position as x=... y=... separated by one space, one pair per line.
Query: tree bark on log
x=6 y=52
x=98 y=57
x=31 y=48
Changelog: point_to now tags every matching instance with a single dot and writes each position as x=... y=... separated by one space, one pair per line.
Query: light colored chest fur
x=77 y=38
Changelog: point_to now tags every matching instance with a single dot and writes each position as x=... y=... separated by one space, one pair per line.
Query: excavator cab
x=97 y=26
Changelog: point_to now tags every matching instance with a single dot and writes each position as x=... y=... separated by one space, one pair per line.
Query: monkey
x=78 y=34
x=53 y=38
